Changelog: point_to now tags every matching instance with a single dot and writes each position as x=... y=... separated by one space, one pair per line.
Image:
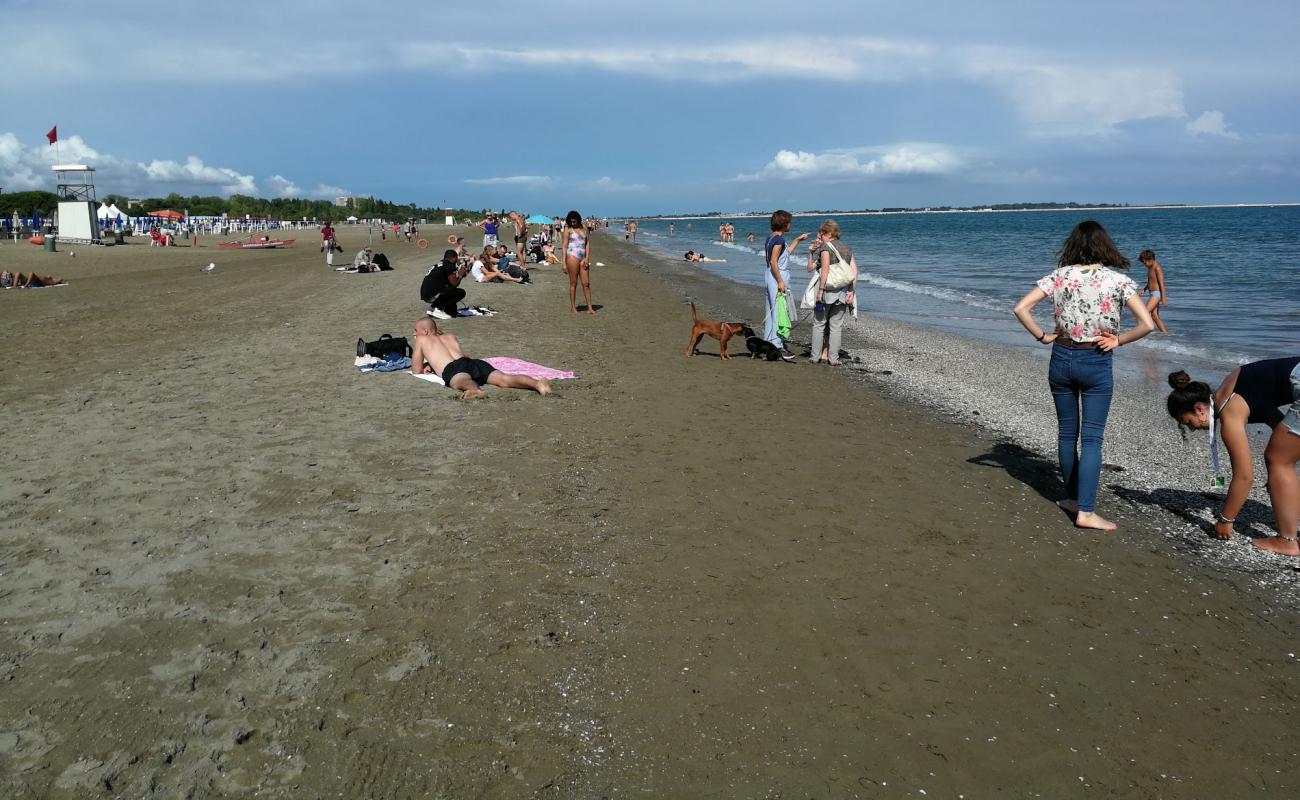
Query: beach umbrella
x=36 y=220
x=540 y=219
x=167 y=213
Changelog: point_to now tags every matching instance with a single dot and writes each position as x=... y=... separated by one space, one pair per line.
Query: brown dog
x=722 y=331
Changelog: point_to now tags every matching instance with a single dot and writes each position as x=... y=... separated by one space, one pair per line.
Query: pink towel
x=516 y=366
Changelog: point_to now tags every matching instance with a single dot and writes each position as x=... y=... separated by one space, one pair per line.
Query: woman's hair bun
x=1180 y=379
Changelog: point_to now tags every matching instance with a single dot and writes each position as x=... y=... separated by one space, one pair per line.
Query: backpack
x=383 y=346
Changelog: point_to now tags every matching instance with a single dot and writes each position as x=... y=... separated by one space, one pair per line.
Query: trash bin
x=49 y=244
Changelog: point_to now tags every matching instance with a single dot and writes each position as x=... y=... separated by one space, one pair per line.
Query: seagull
x=211 y=266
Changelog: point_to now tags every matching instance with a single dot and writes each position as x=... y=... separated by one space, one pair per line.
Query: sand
x=233 y=566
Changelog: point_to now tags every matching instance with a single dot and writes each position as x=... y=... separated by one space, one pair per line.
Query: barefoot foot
x=473 y=394
x=1278 y=544
x=543 y=387
x=1093 y=521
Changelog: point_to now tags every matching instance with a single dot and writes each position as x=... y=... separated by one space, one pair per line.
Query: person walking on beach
x=1157 y=296
x=837 y=280
x=577 y=260
x=1088 y=295
x=327 y=242
x=776 y=278
x=489 y=226
x=1251 y=394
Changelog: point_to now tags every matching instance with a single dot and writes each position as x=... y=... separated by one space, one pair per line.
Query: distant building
x=343 y=202
x=133 y=202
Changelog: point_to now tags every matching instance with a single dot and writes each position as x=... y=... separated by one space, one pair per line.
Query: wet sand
x=235 y=567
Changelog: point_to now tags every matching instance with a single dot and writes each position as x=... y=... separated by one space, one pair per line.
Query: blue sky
x=623 y=108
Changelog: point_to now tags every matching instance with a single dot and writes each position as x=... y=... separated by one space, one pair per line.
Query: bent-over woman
x=1087 y=294
x=1251 y=394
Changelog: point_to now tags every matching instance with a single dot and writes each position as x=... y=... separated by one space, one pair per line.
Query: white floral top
x=1088 y=301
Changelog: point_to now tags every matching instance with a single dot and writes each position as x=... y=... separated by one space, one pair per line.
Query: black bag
x=383 y=346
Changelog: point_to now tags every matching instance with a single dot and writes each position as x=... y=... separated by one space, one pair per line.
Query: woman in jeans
x=832 y=304
x=1088 y=294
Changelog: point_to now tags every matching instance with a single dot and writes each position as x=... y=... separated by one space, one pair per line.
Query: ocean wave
x=952 y=296
x=1163 y=345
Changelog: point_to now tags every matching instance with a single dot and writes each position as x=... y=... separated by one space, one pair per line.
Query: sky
x=621 y=108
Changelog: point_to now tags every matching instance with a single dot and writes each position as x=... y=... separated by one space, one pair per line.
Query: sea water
x=1232 y=274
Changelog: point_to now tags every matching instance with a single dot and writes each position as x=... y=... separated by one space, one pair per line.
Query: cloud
x=608 y=184
x=28 y=167
x=280 y=186
x=897 y=160
x=528 y=181
x=323 y=191
x=791 y=57
x=1211 y=123
x=1074 y=99
x=195 y=173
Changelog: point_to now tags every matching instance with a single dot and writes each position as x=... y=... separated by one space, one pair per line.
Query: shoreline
x=1156 y=479
x=748 y=215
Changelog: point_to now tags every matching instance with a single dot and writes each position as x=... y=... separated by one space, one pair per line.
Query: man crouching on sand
x=439 y=353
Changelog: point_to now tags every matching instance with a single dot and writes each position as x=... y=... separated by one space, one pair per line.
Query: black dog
x=762 y=348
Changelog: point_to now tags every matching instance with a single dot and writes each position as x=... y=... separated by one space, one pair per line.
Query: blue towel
x=388 y=365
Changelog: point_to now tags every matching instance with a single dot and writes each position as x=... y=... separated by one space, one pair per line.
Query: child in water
x=1155 y=287
x=577 y=260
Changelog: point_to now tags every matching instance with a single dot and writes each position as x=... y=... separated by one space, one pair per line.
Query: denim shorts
x=1292 y=418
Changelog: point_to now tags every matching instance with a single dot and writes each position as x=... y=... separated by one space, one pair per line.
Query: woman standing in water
x=1087 y=294
x=1251 y=394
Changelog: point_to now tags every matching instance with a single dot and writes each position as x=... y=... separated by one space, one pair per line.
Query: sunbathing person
x=20 y=280
x=438 y=353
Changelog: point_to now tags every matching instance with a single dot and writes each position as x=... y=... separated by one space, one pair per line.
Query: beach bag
x=809 y=299
x=383 y=346
x=840 y=274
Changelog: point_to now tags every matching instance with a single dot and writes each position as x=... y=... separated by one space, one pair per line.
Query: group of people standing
x=1088 y=292
x=831 y=292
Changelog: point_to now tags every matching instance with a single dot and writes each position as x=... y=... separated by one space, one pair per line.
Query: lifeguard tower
x=78 y=222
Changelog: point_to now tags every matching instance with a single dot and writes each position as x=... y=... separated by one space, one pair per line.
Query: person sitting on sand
x=438 y=353
x=1088 y=295
x=700 y=258
x=1251 y=394
x=361 y=262
x=441 y=286
x=486 y=269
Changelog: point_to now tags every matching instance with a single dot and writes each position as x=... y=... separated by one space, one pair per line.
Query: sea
x=1232 y=274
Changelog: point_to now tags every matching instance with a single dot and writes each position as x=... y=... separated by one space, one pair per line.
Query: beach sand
x=233 y=566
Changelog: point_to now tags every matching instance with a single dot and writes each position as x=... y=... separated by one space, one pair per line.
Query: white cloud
x=195 y=173
x=280 y=186
x=1075 y=99
x=25 y=167
x=793 y=57
x=859 y=163
x=1211 y=123
x=608 y=184
x=323 y=191
x=528 y=181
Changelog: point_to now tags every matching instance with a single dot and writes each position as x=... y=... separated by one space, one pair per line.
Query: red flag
x=53 y=135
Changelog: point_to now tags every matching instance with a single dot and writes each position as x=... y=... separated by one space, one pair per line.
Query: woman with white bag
x=835 y=281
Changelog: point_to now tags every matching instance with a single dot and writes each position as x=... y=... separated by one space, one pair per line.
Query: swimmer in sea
x=577 y=260
x=700 y=258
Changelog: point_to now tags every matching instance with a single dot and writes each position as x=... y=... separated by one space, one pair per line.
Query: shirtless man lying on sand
x=439 y=353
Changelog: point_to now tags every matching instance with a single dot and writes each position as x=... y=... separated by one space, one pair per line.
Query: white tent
x=352 y=219
x=115 y=213
x=102 y=212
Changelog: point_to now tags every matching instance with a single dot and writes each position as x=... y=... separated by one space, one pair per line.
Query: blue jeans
x=1082 y=385
x=769 y=322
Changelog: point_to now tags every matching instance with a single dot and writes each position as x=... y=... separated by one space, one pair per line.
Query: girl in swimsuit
x=577 y=260
x=1250 y=394
x=1155 y=287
